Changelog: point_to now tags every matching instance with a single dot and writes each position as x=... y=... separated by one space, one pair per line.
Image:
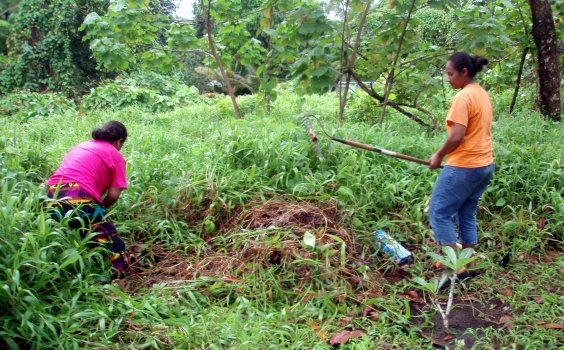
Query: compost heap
x=267 y=234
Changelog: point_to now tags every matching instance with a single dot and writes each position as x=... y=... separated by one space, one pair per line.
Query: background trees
x=400 y=51
x=45 y=48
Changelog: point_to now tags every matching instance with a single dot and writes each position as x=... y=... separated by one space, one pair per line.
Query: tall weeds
x=197 y=165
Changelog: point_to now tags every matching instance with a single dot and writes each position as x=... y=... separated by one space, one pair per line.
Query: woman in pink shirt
x=89 y=180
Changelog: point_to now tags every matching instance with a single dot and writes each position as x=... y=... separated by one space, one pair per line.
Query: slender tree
x=391 y=76
x=518 y=82
x=207 y=25
x=350 y=62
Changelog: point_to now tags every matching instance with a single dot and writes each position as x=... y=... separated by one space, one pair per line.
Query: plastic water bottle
x=392 y=248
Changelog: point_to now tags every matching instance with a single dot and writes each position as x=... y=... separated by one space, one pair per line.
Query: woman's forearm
x=454 y=139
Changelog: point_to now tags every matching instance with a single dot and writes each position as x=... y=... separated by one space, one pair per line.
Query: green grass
x=198 y=165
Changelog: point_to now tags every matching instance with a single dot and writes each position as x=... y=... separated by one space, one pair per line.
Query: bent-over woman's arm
x=112 y=196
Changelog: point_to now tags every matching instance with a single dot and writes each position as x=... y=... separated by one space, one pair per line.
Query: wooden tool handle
x=381 y=150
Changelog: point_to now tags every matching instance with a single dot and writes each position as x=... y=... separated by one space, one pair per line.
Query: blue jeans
x=455 y=197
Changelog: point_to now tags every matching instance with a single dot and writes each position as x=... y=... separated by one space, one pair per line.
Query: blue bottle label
x=392 y=248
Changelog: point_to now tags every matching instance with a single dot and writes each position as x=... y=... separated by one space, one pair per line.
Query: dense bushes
x=149 y=91
x=45 y=49
x=28 y=105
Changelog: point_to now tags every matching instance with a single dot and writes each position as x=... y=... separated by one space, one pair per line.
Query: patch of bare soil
x=244 y=246
x=467 y=320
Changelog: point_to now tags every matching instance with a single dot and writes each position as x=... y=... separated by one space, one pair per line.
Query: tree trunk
x=207 y=24
x=548 y=69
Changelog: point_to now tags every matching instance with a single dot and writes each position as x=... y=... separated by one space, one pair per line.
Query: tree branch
x=451 y=293
x=518 y=82
x=379 y=98
x=425 y=57
x=174 y=50
x=443 y=316
x=9 y=9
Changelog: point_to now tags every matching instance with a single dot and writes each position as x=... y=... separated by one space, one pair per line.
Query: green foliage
x=511 y=23
x=264 y=44
x=23 y=106
x=129 y=29
x=39 y=257
x=8 y=8
x=4 y=30
x=432 y=286
x=506 y=18
x=45 y=47
x=314 y=68
x=434 y=26
x=190 y=76
x=162 y=84
x=362 y=108
x=128 y=35
x=157 y=94
x=453 y=260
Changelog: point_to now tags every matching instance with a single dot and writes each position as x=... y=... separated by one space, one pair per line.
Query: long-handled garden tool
x=307 y=121
x=306 y=118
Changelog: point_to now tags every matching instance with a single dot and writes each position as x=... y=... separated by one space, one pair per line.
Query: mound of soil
x=298 y=216
x=266 y=234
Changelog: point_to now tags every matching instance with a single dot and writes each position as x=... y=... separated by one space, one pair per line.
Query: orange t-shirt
x=472 y=108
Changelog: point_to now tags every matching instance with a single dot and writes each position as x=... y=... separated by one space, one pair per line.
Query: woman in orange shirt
x=469 y=155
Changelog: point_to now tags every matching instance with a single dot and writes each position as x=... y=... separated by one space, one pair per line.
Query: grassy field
x=245 y=239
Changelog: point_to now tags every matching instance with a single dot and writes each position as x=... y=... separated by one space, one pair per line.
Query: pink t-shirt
x=95 y=165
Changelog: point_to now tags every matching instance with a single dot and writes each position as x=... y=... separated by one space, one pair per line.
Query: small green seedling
x=455 y=264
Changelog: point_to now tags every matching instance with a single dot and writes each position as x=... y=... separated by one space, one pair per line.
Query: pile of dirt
x=298 y=216
x=267 y=234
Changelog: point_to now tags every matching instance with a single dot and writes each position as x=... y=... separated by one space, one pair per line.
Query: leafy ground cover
x=244 y=238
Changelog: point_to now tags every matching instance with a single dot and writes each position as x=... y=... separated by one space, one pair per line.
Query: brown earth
x=266 y=234
x=467 y=320
x=244 y=245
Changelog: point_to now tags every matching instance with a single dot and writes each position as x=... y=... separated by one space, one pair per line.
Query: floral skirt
x=87 y=215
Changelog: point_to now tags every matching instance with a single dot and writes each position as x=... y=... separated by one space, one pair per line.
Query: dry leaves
x=435 y=341
x=232 y=279
x=345 y=321
x=371 y=312
x=412 y=295
x=344 y=336
x=318 y=331
x=543 y=324
x=507 y=320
